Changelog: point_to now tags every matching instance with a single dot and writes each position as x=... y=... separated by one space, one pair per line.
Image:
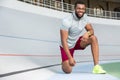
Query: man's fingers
x=72 y=64
x=75 y=62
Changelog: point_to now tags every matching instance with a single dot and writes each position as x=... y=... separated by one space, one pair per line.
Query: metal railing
x=65 y=7
x=103 y=14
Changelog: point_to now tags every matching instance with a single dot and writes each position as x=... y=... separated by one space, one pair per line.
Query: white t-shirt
x=74 y=26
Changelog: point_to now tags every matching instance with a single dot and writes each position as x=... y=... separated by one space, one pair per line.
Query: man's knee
x=66 y=67
x=93 y=38
x=67 y=70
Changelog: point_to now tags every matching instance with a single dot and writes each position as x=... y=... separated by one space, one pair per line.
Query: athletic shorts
x=77 y=47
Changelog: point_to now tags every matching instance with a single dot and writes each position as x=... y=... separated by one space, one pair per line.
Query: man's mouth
x=80 y=14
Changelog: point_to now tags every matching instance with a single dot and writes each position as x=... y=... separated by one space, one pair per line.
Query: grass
x=112 y=68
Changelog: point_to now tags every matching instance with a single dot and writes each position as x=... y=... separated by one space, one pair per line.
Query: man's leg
x=66 y=67
x=95 y=52
x=94 y=47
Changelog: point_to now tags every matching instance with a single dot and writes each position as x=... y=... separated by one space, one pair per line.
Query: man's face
x=80 y=10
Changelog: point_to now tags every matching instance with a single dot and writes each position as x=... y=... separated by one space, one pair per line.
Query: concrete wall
x=22 y=32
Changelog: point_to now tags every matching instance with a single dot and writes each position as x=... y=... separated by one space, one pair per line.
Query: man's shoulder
x=85 y=16
x=67 y=20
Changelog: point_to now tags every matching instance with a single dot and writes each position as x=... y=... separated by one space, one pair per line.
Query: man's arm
x=64 y=37
x=89 y=32
x=89 y=29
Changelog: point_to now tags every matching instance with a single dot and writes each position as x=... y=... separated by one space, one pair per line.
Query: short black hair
x=79 y=2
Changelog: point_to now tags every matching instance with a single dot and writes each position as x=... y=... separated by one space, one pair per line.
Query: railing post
x=115 y=15
x=105 y=13
x=38 y=2
x=62 y=4
x=110 y=14
x=50 y=4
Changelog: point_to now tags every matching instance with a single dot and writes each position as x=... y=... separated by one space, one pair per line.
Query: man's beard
x=79 y=17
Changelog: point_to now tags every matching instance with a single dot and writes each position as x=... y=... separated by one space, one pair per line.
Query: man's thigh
x=84 y=44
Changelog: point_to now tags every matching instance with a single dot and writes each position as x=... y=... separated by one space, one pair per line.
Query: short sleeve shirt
x=74 y=26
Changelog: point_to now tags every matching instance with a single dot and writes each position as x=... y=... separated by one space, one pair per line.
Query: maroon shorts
x=77 y=47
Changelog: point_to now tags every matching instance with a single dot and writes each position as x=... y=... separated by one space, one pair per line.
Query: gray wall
x=22 y=32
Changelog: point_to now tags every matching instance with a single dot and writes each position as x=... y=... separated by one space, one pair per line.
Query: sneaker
x=98 y=70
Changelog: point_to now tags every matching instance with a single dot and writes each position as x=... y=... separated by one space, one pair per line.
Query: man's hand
x=72 y=62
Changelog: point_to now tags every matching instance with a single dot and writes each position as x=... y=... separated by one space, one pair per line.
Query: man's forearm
x=65 y=46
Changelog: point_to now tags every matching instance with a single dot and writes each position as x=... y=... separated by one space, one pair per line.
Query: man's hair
x=79 y=2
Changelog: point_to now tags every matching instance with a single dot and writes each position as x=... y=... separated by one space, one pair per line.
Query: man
x=71 y=39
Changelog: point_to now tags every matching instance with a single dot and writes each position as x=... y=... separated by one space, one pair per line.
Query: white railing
x=103 y=13
x=65 y=7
